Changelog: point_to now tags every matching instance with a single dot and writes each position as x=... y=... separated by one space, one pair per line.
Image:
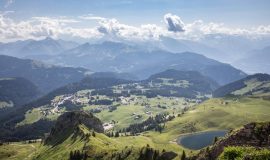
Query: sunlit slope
x=254 y=85
x=214 y=114
x=18 y=151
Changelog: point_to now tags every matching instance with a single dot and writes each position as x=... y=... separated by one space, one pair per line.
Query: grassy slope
x=252 y=85
x=213 y=115
x=123 y=114
x=95 y=146
x=31 y=116
x=18 y=151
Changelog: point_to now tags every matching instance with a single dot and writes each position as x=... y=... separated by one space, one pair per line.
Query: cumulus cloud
x=40 y=27
x=198 y=29
x=174 y=23
x=112 y=29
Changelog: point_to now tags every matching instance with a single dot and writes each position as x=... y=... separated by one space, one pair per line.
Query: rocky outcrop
x=69 y=122
x=252 y=134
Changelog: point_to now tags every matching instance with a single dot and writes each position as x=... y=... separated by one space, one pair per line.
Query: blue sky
x=132 y=19
x=135 y=12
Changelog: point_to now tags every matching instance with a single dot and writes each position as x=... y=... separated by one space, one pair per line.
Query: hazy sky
x=233 y=14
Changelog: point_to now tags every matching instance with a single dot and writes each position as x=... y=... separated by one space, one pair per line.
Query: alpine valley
x=76 y=86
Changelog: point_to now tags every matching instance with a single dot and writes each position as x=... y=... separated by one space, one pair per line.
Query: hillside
x=17 y=91
x=254 y=85
x=68 y=122
x=82 y=132
x=195 y=80
x=46 y=77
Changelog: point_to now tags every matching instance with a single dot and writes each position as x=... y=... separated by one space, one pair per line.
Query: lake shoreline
x=199 y=140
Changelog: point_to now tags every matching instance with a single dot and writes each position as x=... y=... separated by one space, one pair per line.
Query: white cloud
x=112 y=29
x=198 y=29
x=91 y=17
x=40 y=27
x=174 y=23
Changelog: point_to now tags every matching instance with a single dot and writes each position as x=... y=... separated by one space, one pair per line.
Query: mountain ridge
x=251 y=85
x=36 y=48
x=46 y=77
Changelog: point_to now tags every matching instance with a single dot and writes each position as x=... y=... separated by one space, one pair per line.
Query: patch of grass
x=31 y=116
x=18 y=151
x=124 y=113
x=253 y=85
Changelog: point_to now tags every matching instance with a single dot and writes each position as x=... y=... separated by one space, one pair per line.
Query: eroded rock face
x=252 y=134
x=68 y=123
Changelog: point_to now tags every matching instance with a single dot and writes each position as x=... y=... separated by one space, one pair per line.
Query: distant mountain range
x=233 y=49
x=141 y=61
x=35 y=48
x=120 y=57
x=46 y=77
x=256 y=61
x=178 y=46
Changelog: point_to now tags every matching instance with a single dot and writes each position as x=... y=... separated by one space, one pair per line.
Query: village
x=97 y=104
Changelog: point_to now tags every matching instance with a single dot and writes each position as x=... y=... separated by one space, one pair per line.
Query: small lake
x=199 y=140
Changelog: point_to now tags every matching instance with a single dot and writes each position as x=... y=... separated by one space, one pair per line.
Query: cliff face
x=252 y=134
x=68 y=123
